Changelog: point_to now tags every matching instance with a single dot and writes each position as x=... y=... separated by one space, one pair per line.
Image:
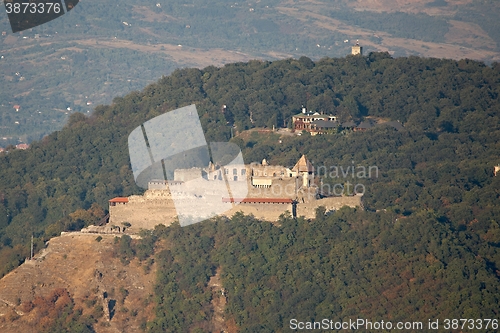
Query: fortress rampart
x=266 y=192
x=308 y=210
x=144 y=212
x=264 y=211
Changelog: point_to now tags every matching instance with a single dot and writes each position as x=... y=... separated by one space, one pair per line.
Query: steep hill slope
x=99 y=284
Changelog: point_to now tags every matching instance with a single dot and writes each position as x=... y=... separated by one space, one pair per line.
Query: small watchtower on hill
x=357 y=49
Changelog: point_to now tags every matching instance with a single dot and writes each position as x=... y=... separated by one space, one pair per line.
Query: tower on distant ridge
x=357 y=49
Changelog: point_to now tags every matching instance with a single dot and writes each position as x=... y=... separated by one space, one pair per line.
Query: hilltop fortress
x=264 y=190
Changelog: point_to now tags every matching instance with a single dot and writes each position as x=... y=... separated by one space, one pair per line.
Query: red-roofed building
x=118 y=201
x=22 y=146
x=17 y=107
x=314 y=122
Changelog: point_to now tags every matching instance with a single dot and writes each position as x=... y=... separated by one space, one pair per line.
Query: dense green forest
x=350 y=264
x=433 y=207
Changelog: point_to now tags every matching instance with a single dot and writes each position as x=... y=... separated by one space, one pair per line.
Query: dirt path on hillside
x=178 y=53
x=218 y=303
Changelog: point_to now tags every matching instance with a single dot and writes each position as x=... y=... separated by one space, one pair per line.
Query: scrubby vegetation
x=57 y=313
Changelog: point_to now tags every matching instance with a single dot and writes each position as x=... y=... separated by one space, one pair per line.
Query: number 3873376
x=33 y=8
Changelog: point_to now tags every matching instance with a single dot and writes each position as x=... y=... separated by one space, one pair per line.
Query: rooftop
x=365 y=124
x=303 y=165
x=325 y=123
x=349 y=124
x=396 y=124
x=119 y=200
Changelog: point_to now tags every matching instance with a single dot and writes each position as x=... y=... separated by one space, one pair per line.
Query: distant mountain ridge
x=90 y=55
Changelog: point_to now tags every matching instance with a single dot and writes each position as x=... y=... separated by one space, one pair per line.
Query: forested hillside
x=352 y=264
x=443 y=161
x=436 y=196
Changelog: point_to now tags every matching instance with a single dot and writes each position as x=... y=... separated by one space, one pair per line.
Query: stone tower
x=357 y=49
x=303 y=168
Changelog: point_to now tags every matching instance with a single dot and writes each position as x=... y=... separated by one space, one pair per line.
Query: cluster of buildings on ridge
x=316 y=123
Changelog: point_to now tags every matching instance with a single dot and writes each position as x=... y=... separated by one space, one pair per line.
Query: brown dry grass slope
x=91 y=274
